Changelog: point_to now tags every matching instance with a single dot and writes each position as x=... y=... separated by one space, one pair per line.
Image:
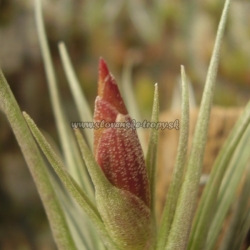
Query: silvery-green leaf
x=70 y=184
x=182 y=222
x=57 y=220
x=69 y=147
x=175 y=185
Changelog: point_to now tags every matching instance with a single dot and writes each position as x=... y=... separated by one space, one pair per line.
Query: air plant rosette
x=119 y=212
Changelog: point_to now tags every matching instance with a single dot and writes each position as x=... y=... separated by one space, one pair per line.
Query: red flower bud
x=117 y=149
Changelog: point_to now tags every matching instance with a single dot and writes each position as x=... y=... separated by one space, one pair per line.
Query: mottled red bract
x=118 y=150
x=108 y=89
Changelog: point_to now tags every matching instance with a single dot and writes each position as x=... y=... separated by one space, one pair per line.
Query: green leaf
x=82 y=105
x=240 y=221
x=36 y=166
x=70 y=184
x=151 y=157
x=228 y=188
x=180 y=230
x=76 y=218
x=175 y=185
x=69 y=146
x=207 y=205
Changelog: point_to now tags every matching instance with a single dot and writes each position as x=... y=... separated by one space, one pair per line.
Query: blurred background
x=152 y=37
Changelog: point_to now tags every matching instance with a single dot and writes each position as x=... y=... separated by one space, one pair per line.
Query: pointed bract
x=108 y=89
x=121 y=159
x=116 y=146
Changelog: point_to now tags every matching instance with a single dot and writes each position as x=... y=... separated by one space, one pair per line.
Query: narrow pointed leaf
x=207 y=205
x=76 y=218
x=180 y=230
x=36 y=166
x=175 y=185
x=228 y=188
x=69 y=147
x=151 y=158
x=238 y=218
x=82 y=105
x=72 y=187
x=243 y=232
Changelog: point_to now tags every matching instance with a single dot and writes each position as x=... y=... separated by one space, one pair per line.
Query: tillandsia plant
x=114 y=208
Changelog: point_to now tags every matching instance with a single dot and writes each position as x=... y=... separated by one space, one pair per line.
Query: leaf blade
x=175 y=185
x=69 y=147
x=82 y=105
x=180 y=231
x=36 y=166
x=70 y=184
